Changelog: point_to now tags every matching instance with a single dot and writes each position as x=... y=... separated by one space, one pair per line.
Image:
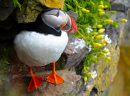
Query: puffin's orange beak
x=73 y=28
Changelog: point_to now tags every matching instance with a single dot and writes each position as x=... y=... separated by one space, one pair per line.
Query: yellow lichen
x=72 y=69
x=31 y=9
x=53 y=3
x=107 y=84
x=79 y=83
x=111 y=72
x=100 y=76
x=77 y=91
x=123 y=74
x=104 y=78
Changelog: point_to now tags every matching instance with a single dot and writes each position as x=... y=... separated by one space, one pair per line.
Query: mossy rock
x=31 y=9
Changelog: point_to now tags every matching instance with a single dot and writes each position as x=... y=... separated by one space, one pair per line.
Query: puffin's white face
x=59 y=20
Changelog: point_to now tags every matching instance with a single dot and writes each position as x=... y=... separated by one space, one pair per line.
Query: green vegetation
x=5 y=59
x=5 y=67
x=93 y=15
x=17 y=4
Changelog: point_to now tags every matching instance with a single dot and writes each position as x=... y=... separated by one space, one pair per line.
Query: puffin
x=42 y=42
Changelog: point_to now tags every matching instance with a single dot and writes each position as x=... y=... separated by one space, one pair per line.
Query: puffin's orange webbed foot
x=35 y=81
x=53 y=77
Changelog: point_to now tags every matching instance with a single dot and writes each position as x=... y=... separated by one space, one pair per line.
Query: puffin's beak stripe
x=70 y=25
x=73 y=28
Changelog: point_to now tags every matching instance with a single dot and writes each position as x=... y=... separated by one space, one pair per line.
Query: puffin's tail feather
x=34 y=83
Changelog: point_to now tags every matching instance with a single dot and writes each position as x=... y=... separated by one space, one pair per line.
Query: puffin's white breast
x=36 y=49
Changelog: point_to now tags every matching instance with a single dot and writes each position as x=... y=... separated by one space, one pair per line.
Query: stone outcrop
x=76 y=50
x=6 y=8
x=31 y=8
x=120 y=85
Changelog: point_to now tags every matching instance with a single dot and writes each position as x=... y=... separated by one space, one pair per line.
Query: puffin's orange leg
x=35 y=81
x=53 y=77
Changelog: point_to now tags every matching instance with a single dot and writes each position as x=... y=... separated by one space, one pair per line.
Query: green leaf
x=19 y=5
x=65 y=8
x=69 y=6
x=16 y=3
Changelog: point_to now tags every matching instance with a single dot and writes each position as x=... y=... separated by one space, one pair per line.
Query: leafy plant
x=91 y=19
x=17 y=4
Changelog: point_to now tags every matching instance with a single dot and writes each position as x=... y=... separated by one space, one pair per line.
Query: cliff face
x=102 y=73
x=121 y=85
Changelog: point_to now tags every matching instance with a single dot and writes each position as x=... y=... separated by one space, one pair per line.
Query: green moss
x=5 y=59
x=32 y=8
x=64 y=94
x=5 y=67
x=23 y=67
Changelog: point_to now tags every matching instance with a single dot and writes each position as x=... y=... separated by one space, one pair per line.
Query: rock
x=73 y=15
x=21 y=81
x=3 y=45
x=103 y=74
x=75 y=50
x=126 y=31
x=125 y=3
x=114 y=88
x=6 y=8
x=113 y=32
x=111 y=1
x=120 y=85
x=118 y=7
x=31 y=9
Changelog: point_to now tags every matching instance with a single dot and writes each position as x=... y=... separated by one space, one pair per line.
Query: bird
x=42 y=42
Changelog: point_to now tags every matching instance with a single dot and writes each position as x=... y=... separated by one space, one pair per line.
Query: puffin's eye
x=57 y=14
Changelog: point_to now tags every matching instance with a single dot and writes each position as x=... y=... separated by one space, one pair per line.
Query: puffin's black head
x=58 y=20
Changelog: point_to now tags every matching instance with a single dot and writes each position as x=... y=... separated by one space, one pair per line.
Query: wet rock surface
x=6 y=8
